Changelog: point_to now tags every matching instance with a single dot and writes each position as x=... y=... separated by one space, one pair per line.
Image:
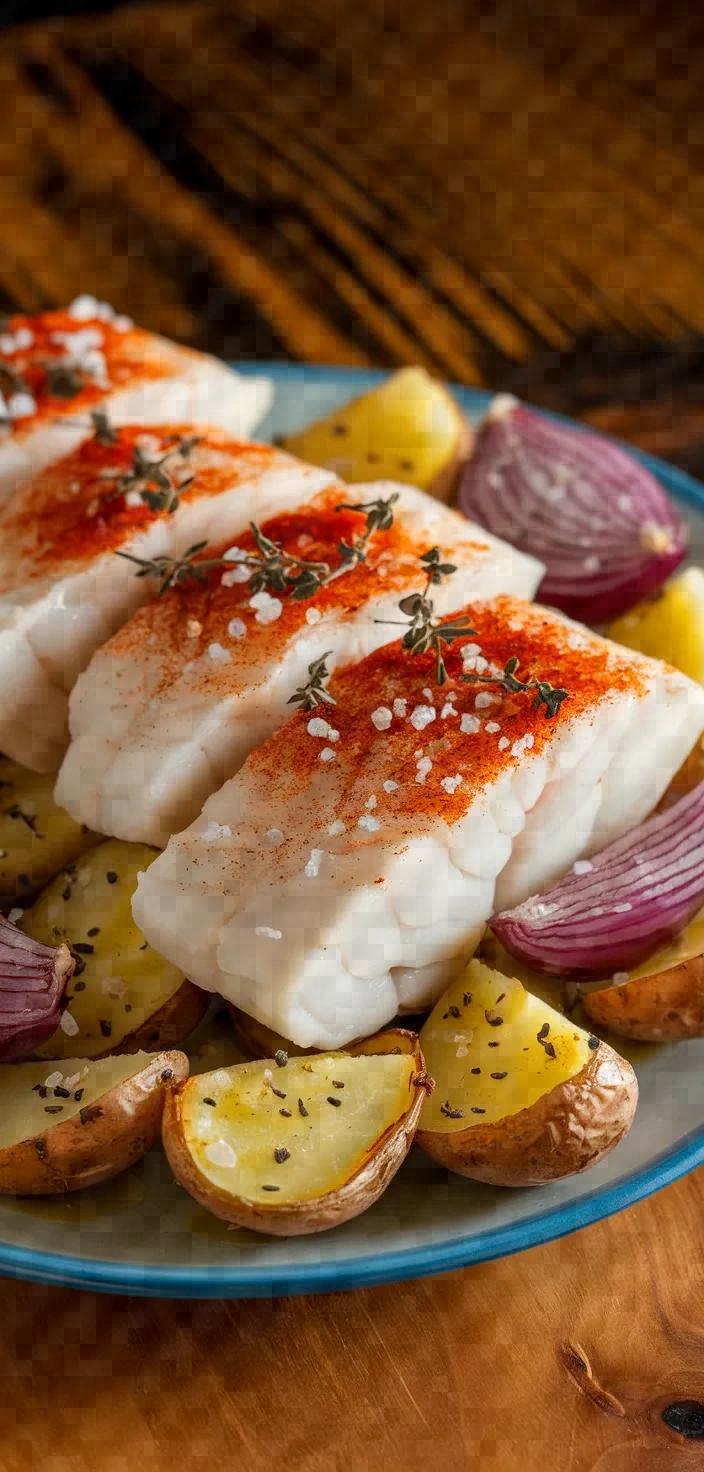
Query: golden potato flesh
x=298 y=1145
x=123 y=982
x=660 y=1000
x=37 y=838
x=66 y=1127
x=410 y=429
x=522 y=1095
x=493 y=1048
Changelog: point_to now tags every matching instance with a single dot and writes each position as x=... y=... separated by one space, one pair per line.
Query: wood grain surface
x=513 y=195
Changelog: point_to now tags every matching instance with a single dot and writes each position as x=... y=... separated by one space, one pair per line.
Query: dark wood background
x=513 y=195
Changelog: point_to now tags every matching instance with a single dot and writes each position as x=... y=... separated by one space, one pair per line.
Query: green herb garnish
x=423 y=632
x=313 y=693
x=546 y=694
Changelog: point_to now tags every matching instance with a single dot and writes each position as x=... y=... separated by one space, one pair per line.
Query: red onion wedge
x=602 y=524
x=32 y=981
x=612 y=911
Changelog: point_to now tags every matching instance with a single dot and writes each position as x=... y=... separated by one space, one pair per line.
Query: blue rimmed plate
x=142 y=1234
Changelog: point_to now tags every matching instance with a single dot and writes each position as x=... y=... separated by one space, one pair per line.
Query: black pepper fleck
x=476 y=1070
x=302 y=1109
x=89 y=1113
x=105 y=1027
x=271 y=1188
x=337 y=1084
x=94 y=930
x=61 y=1093
x=686 y=1417
x=281 y=1154
x=593 y=1043
x=40 y=1147
x=279 y=1092
x=78 y=1095
x=281 y=1058
x=84 y=948
x=453 y=1011
x=286 y=1113
x=335 y=1102
x=111 y=876
x=449 y=1112
x=53 y=1108
x=79 y=986
x=476 y=1109
x=211 y=1102
x=166 y=1075
x=493 y=1021
x=467 y=999
x=498 y=1075
x=495 y=1045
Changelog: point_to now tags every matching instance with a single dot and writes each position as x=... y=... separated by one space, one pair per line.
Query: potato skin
x=665 y=1007
x=168 y=1027
x=74 y=1155
x=295 y=1219
x=566 y=1131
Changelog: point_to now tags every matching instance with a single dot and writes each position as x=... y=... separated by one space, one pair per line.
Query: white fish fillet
x=137 y=376
x=324 y=897
x=63 y=591
x=171 y=707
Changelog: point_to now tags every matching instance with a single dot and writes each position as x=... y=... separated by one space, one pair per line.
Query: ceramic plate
x=142 y=1234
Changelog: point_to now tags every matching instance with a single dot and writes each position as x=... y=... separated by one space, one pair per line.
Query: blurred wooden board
x=507 y=195
x=513 y=196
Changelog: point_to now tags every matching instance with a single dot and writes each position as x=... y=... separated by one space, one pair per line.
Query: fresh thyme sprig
x=380 y=518
x=105 y=433
x=423 y=631
x=152 y=481
x=173 y=570
x=272 y=569
x=313 y=693
x=546 y=694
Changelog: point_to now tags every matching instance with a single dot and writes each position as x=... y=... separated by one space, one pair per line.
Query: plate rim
x=376 y=1267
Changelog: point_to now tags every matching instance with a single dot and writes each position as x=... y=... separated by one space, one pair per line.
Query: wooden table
x=509 y=196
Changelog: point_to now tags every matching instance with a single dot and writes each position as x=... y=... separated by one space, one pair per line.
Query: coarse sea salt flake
x=313 y=615
x=235 y=554
x=469 y=725
x=274 y=835
x=336 y=829
x=422 y=716
x=368 y=823
x=400 y=707
x=503 y=743
x=451 y=784
x=492 y=727
x=15 y=915
x=218 y=653
x=266 y=932
x=220 y=1153
x=390 y=786
x=217 y=830
x=447 y=711
x=371 y=801
x=268 y=609
x=485 y=698
x=239 y=574
x=53 y=1080
x=382 y=718
x=237 y=628
x=327 y=754
x=582 y=866
x=423 y=768
x=68 y=1024
x=312 y=868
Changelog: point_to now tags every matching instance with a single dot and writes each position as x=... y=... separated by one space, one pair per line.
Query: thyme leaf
x=313 y=693
x=104 y=432
x=423 y=632
x=546 y=694
x=172 y=571
x=379 y=518
x=64 y=380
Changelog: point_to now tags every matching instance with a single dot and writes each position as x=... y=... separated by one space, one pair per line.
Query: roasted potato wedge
x=409 y=429
x=65 y=1129
x=37 y=838
x=522 y=1095
x=662 y=1000
x=125 y=997
x=298 y=1145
